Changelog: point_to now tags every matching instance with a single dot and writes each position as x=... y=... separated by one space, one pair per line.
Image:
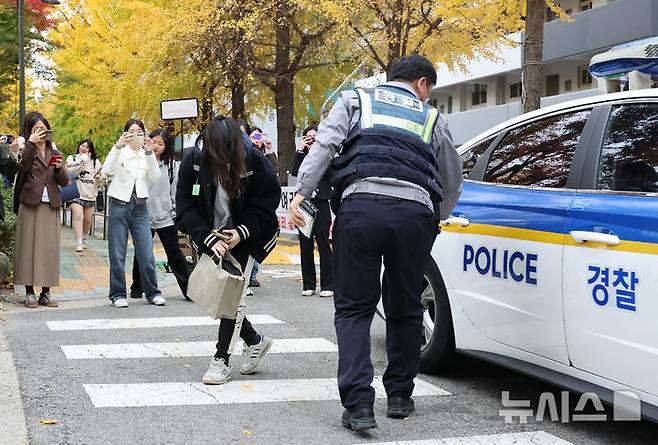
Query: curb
x=11 y=407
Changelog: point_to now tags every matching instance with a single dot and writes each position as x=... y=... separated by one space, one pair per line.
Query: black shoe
x=254 y=283
x=136 y=294
x=400 y=407
x=360 y=418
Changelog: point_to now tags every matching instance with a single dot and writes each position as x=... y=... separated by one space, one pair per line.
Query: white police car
x=549 y=263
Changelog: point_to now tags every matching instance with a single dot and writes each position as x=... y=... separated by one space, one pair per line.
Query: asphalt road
x=73 y=389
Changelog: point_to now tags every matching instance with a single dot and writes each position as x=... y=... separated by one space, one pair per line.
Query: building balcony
x=600 y=28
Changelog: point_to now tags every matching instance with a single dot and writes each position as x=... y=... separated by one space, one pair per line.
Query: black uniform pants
x=175 y=258
x=320 y=233
x=368 y=231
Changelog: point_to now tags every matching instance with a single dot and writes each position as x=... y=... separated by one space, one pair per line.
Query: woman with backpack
x=161 y=204
x=229 y=186
x=87 y=169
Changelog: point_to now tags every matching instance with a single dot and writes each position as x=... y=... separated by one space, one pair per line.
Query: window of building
x=479 y=95
x=629 y=160
x=585 y=6
x=553 y=85
x=449 y=104
x=538 y=154
x=584 y=77
x=515 y=90
x=470 y=157
x=567 y=85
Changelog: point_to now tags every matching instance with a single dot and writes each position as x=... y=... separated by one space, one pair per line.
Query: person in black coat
x=9 y=152
x=229 y=186
x=321 y=226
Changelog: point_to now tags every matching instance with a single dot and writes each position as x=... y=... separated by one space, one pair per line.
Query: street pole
x=21 y=65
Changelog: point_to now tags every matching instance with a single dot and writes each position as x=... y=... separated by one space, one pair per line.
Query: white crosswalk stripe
x=140 y=323
x=246 y=391
x=241 y=390
x=188 y=349
x=526 y=438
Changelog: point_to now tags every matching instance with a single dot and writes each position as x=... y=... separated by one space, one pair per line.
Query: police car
x=549 y=263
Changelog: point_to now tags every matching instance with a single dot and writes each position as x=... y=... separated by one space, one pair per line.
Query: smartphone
x=54 y=158
x=6 y=138
x=258 y=136
x=138 y=139
x=49 y=135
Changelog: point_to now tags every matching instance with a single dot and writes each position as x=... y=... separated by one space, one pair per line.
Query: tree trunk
x=284 y=99
x=237 y=100
x=533 y=52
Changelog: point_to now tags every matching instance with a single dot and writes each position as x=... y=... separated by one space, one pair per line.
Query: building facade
x=488 y=92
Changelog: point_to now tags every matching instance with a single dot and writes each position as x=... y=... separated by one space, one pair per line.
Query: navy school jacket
x=253 y=211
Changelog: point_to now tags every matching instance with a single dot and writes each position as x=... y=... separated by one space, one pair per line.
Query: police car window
x=538 y=154
x=471 y=156
x=629 y=157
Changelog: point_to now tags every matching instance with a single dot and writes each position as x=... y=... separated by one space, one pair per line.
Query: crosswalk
x=192 y=393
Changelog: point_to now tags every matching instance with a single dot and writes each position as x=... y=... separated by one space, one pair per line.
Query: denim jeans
x=133 y=218
x=254 y=271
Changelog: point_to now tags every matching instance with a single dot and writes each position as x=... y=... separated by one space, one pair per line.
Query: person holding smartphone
x=162 y=210
x=321 y=226
x=229 y=187
x=9 y=146
x=87 y=168
x=38 y=229
x=131 y=166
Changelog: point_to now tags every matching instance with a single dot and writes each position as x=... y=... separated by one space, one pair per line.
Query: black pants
x=320 y=233
x=175 y=258
x=227 y=326
x=366 y=231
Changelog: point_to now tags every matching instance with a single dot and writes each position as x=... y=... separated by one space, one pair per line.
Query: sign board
x=179 y=109
x=285 y=225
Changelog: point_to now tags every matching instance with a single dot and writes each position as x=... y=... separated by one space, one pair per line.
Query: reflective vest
x=393 y=139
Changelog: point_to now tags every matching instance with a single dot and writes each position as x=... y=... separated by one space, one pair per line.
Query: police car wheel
x=437 y=352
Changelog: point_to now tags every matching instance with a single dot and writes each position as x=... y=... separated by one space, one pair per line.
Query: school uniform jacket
x=253 y=211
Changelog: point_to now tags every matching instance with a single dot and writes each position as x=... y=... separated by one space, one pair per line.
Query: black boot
x=400 y=407
x=360 y=418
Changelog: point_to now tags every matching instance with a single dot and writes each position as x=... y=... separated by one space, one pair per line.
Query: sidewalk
x=86 y=274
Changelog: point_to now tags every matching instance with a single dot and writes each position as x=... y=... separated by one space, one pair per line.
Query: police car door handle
x=595 y=237
x=456 y=220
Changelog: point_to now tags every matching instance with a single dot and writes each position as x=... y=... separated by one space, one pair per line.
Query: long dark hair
x=224 y=153
x=92 y=150
x=167 y=155
x=30 y=121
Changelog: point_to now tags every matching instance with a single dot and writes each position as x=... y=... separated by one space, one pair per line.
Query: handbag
x=215 y=289
x=70 y=192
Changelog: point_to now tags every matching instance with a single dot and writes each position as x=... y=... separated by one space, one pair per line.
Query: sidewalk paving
x=87 y=274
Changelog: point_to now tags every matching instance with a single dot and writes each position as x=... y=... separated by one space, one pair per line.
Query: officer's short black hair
x=412 y=67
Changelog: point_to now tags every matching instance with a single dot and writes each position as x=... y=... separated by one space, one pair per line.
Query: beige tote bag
x=214 y=289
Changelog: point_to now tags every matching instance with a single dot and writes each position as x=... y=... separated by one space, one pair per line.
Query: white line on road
x=241 y=391
x=188 y=349
x=156 y=322
x=528 y=438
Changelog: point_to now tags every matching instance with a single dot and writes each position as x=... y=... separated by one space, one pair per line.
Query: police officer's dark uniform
x=396 y=173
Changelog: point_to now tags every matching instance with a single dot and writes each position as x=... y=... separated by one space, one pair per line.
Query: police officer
x=396 y=173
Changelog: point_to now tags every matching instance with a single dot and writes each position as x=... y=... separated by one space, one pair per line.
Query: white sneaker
x=218 y=372
x=120 y=302
x=254 y=353
x=327 y=293
x=158 y=300
x=84 y=243
x=250 y=293
x=79 y=248
x=308 y=293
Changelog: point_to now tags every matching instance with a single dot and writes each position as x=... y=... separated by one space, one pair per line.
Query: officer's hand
x=293 y=210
